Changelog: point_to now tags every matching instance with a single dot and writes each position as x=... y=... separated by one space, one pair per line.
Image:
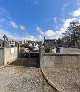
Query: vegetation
x=72 y=35
x=47 y=50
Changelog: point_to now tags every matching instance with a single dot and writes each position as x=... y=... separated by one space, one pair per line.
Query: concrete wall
x=59 y=60
x=70 y=50
x=56 y=61
x=1 y=56
x=10 y=55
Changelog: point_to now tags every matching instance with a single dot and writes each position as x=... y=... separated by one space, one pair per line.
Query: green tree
x=59 y=41
x=73 y=32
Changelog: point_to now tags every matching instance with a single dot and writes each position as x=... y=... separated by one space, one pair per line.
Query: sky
x=34 y=19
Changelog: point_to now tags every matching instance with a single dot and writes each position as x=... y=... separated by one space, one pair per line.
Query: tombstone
x=57 y=50
x=16 y=44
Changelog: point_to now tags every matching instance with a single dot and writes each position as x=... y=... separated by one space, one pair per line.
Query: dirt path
x=23 y=79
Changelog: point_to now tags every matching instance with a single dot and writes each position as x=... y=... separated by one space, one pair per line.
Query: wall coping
x=58 y=54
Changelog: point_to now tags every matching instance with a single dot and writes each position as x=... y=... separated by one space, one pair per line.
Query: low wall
x=10 y=55
x=59 y=60
x=70 y=50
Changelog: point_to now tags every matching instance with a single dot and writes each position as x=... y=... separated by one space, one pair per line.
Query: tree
x=73 y=32
x=58 y=42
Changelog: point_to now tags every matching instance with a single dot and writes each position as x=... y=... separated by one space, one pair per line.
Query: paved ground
x=64 y=79
x=23 y=79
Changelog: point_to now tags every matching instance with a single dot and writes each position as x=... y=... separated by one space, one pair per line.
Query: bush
x=47 y=50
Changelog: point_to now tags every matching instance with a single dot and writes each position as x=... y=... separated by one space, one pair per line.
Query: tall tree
x=73 y=31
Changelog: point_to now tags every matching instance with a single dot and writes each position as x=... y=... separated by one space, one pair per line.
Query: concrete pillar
x=41 y=53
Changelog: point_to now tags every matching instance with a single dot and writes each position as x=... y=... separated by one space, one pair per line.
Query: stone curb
x=46 y=79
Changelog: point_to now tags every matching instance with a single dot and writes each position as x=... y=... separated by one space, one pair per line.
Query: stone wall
x=10 y=55
x=1 y=56
x=59 y=60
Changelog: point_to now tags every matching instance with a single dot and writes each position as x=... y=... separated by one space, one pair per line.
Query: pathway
x=23 y=79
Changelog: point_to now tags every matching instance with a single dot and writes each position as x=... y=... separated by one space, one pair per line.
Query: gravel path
x=64 y=79
x=22 y=79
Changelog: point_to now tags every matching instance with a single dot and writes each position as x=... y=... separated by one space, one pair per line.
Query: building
x=50 y=43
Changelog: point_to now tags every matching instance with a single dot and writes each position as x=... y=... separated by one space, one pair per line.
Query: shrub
x=47 y=50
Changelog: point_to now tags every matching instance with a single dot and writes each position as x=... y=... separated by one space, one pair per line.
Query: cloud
x=22 y=27
x=5 y=19
x=63 y=9
x=29 y=37
x=13 y=24
x=64 y=6
x=66 y=24
x=49 y=34
x=15 y=36
x=4 y=14
x=9 y=35
x=64 y=27
x=76 y=13
x=38 y=29
x=40 y=38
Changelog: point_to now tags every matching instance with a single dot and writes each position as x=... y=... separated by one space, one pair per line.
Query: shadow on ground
x=27 y=62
